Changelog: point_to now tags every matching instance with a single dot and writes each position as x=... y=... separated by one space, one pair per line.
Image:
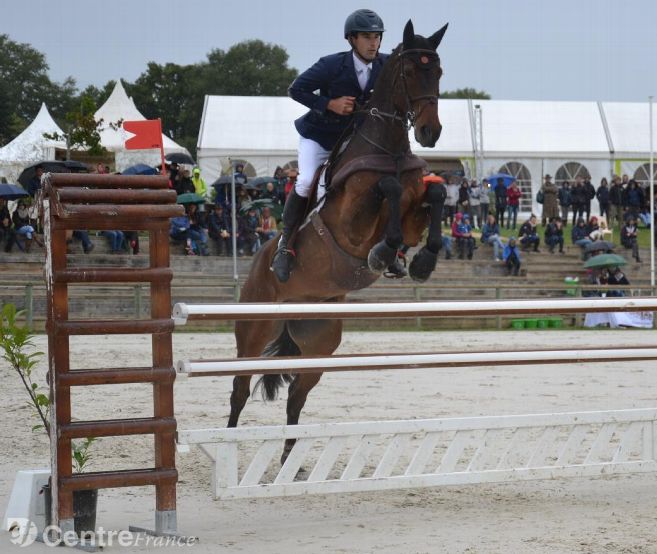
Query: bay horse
x=375 y=203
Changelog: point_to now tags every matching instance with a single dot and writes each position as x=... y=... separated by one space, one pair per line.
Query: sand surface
x=612 y=514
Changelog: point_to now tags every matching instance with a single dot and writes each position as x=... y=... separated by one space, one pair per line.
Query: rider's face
x=366 y=45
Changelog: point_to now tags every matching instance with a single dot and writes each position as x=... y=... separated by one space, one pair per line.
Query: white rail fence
x=380 y=455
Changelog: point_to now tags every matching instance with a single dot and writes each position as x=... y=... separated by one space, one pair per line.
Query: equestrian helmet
x=363 y=21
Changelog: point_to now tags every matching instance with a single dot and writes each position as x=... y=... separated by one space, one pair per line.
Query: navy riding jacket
x=332 y=76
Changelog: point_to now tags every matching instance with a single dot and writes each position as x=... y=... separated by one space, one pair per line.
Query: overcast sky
x=513 y=49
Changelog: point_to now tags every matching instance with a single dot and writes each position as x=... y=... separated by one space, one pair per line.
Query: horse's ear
x=409 y=34
x=436 y=37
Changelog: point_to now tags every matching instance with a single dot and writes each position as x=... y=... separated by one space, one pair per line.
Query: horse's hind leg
x=321 y=336
x=252 y=337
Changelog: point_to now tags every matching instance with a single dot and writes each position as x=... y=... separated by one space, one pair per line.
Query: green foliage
x=81 y=454
x=25 y=85
x=465 y=93
x=15 y=339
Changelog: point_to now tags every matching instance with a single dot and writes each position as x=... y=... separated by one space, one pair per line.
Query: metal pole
x=652 y=200
x=29 y=306
x=233 y=214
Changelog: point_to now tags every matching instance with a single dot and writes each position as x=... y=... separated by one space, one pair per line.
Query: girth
x=347 y=272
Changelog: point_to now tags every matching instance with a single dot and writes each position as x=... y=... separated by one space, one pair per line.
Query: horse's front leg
x=384 y=253
x=424 y=262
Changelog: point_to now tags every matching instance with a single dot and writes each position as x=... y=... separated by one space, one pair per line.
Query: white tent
x=120 y=107
x=30 y=146
x=528 y=138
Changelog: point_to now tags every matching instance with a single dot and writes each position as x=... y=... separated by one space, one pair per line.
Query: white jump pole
x=652 y=201
x=181 y=311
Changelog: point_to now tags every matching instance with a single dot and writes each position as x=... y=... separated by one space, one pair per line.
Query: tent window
x=642 y=175
x=524 y=179
x=570 y=171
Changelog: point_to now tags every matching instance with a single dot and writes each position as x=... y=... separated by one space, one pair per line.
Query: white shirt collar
x=359 y=64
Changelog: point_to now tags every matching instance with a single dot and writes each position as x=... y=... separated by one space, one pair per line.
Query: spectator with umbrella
x=629 y=237
x=219 y=230
x=22 y=227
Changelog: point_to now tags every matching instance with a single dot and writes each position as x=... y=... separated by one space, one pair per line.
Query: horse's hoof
x=380 y=257
x=422 y=265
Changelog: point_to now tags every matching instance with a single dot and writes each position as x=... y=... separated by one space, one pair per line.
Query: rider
x=343 y=80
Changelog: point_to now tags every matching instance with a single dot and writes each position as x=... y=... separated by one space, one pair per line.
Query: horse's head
x=420 y=71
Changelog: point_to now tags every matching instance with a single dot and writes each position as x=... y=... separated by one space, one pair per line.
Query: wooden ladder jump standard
x=108 y=202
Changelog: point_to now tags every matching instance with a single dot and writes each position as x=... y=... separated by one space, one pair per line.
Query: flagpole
x=652 y=202
x=233 y=213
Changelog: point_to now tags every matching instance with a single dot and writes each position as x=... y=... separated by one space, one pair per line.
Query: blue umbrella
x=139 y=169
x=508 y=179
x=12 y=192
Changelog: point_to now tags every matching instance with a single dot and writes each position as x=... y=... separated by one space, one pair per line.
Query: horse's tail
x=281 y=346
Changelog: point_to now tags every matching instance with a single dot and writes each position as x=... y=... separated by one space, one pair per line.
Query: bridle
x=409 y=117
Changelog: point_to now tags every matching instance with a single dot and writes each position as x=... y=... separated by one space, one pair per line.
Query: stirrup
x=397 y=269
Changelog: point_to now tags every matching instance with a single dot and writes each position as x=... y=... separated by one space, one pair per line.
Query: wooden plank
x=545 y=443
x=423 y=454
x=601 y=441
x=573 y=442
x=225 y=467
x=358 y=459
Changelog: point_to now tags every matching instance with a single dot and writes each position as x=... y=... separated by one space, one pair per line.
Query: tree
x=465 y=93
x=81 y=130
x=25 y=85
x=249 y=68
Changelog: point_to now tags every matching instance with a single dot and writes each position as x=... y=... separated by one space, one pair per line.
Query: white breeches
x=311 y=156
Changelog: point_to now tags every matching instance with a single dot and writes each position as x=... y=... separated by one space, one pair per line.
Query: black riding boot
x=295 y=208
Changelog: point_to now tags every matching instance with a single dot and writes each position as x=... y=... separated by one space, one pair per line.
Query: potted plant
x=15 y=340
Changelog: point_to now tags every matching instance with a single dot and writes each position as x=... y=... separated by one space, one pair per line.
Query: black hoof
x=423 y=263
x=380 y=257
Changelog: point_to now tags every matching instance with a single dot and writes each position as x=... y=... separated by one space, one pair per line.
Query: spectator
x=266 y=225
x=271 y=193
x=550 y=201
x=528 y=235
x=34 y=185
x=200 y=187
x=132 y=238
x=239 y=174
x=580 y=235
x=101 y=168
x=565 y=201
x=490 y=234
x=219 y=230
x=183 y=183
x=633 y=200
x=511 y=257
x=115 y=239
x=179 y=231
x=617 y=277
x=465 y=242
x=577 y=195
x=197 y=229
x=500 y=201
x=7 y=233
x=292 y=175
x=173 y=176
x=22 y=227
x=513 y=194
x=451 y=200
x=629 y=237
x=484 y=201
x=588 y=194
x=554 y=235
x=248 y=239
x=616 y=202
x=602 y=195
x=475 y=202
x=464 y=197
